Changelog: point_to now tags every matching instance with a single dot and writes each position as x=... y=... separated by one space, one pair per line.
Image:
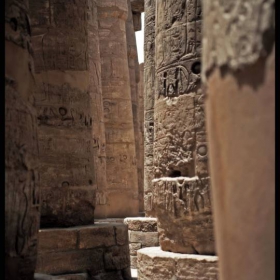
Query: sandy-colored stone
x=133 y=261
x=240 y=110
x=71 y=262
x=51 y=240
x=121 y=164
x=180 y=194
x=65 y=103
x=141 y=224
x=134 y=79
x=116 y=258
x=147 y=239
x=79 y=276
x=155 y=264
x=96 y=236
x=149 y=96
x=22 y=196
x=133 y=248
x=121 y=233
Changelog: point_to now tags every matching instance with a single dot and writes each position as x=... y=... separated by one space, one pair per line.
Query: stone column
x=65 y=103
x=95 y=88
x=140 y=89
x=22 y=205
x=239 y=69
x=181 y=195
x=149 y=81
x=134 y=79
x=122 y=184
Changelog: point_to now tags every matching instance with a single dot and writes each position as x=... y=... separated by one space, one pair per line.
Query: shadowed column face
x=180 y=192
x=149 y=82
x=133 y=65
x=122 y=184
x=22 y=205
x=239 y=72
x=64 y=103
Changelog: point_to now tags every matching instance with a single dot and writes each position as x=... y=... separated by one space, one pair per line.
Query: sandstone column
x=140 y=89
x=134 y=79
x=238 y=64
x=95 y=88
x=122 y=184
x=22 y=213
x=181 y=195
x=65 y=109
x=149 y=81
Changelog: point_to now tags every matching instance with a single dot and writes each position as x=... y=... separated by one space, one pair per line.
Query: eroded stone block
x=155 y=264
x=141 y=224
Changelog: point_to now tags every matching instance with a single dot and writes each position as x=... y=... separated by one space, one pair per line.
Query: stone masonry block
x=121 y=232
x=141 y=224
x=155 y=264
x=51 y=240
x=147 y=239
x=133 y=248
x=96 y=236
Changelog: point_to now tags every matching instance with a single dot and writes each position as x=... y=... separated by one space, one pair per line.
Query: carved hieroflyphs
x=118 y=97
x=22 y=197
x=179 y=137
x=149 y=95
x=67 y=90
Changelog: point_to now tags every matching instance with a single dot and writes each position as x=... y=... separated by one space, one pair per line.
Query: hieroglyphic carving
x=186 y=201
x=149 y=95
x=180 y=145
x=65 y=109
x=242 y=32
x=22 y=199
x=117 y=52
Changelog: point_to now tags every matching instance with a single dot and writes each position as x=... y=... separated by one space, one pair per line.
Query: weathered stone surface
x=121 y=233
x=117 y=258
x=133 y=248
x=121 y=164
x=120 y=275
x=96 y=236
x=40 y=276
x=140 y=89
x=79 y=276
x=97 y=249
x=137 y=6
x=240 y=110
x=155 y=264
x=241 y=35
x=71 y=262
x=183 y=207
x=180 y=194
x=51 y=240
x=137 y=21
x=65 y=104
x=141 y=224
x=147 y=239
x=134 y=79
x=133 y=261
x=149 y=94
x=22 y=199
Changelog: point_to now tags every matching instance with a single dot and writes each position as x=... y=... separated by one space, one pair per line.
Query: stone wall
x=142 y=233
x=100 y=251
